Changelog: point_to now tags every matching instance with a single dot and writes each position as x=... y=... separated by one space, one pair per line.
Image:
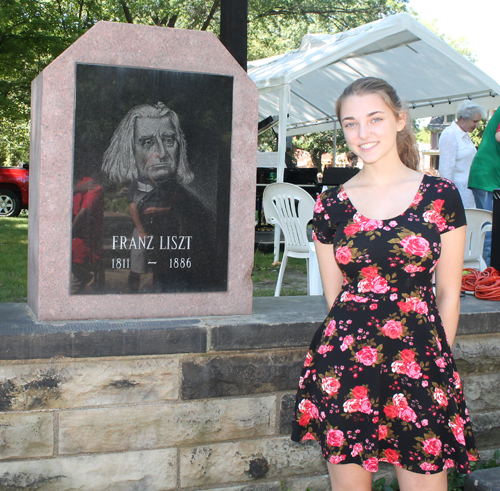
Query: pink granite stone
x=51 y=179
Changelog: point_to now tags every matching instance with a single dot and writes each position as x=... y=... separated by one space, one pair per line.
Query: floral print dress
x=379 y=383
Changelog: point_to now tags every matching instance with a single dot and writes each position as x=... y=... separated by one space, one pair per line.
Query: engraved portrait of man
x=157 y=144
x=174 y=232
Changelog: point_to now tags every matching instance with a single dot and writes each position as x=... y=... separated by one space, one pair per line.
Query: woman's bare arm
x=449 y=280
x=331 y=276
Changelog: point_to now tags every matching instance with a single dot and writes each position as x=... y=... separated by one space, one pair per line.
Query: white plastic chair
x=478 y=223
x=292 y=208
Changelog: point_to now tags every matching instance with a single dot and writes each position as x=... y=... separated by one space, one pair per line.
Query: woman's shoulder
x=331 y=193
x=438 y=182
x=441 y=188
x=443 y=203
x=448 y=134
x=334 y=196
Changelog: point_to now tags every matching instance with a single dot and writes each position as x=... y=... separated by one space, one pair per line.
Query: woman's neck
x=383 y=174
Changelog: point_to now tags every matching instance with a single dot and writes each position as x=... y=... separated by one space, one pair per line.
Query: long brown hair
x=406 y=141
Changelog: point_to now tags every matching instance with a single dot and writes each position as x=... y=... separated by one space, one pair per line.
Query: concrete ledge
x=282 y=322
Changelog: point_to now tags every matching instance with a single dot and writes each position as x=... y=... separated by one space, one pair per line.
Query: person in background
x=379 y=383
x=484 y=176
x=456 y=149
x=352 y=158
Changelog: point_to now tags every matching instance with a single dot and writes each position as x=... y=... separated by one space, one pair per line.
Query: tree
x=34 y=32
x=277 y=26
x=318 y=143
x=275 y=29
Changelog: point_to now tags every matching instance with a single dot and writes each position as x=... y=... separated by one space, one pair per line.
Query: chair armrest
x=484 y=229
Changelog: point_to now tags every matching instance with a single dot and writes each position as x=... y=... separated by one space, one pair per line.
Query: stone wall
x=212 y=412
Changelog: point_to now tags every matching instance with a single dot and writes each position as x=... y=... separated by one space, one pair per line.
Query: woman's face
x=469 y=125
x=370 y=127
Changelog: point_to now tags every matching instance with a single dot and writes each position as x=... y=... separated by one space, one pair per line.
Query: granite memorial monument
x=142 y=168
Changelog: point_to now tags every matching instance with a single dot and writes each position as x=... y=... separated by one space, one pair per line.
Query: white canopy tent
x=301 y=86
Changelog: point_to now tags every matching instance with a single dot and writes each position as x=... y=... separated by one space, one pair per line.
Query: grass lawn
x=265 y=276
x=13 y=259
x=14 y=266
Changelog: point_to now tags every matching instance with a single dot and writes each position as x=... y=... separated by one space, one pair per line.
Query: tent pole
x=334 y=156
x=283 y=123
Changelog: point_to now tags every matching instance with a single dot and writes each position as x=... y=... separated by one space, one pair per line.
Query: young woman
x=379 y=383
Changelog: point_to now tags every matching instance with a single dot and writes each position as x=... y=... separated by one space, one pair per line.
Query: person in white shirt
x=456 y=150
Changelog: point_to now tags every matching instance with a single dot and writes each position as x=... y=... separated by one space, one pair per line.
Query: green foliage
x=14 y=142
x=456 y=481
x=268 y=141
x=34 y=32
x=477 y=135
x=423 y=135
x=118 y=205
x=13 y=259
x=265 y=276
x=380 y=485
x=319 y=143
x=275 y=27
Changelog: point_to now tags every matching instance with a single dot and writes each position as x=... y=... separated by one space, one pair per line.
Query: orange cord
x=469 y=280
x=485 y=284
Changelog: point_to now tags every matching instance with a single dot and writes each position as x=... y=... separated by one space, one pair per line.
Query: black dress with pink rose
x=379 y=383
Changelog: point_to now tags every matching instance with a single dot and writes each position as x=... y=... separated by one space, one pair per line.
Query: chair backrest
x=474 y=242
x=292 y=209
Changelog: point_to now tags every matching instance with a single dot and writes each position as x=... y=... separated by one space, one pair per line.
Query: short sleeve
x=453 y=209
x=323 y=226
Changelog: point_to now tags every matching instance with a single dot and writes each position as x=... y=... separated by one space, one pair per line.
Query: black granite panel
x=238 y=375
x=151 y=181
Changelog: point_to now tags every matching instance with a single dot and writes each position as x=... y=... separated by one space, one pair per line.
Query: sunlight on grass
x=14 y=266
x=13 y=259
x=265 y=276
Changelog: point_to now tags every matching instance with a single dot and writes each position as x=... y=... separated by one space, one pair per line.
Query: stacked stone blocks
x=212 y=412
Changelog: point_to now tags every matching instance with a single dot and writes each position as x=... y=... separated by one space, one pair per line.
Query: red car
x=14 y=190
